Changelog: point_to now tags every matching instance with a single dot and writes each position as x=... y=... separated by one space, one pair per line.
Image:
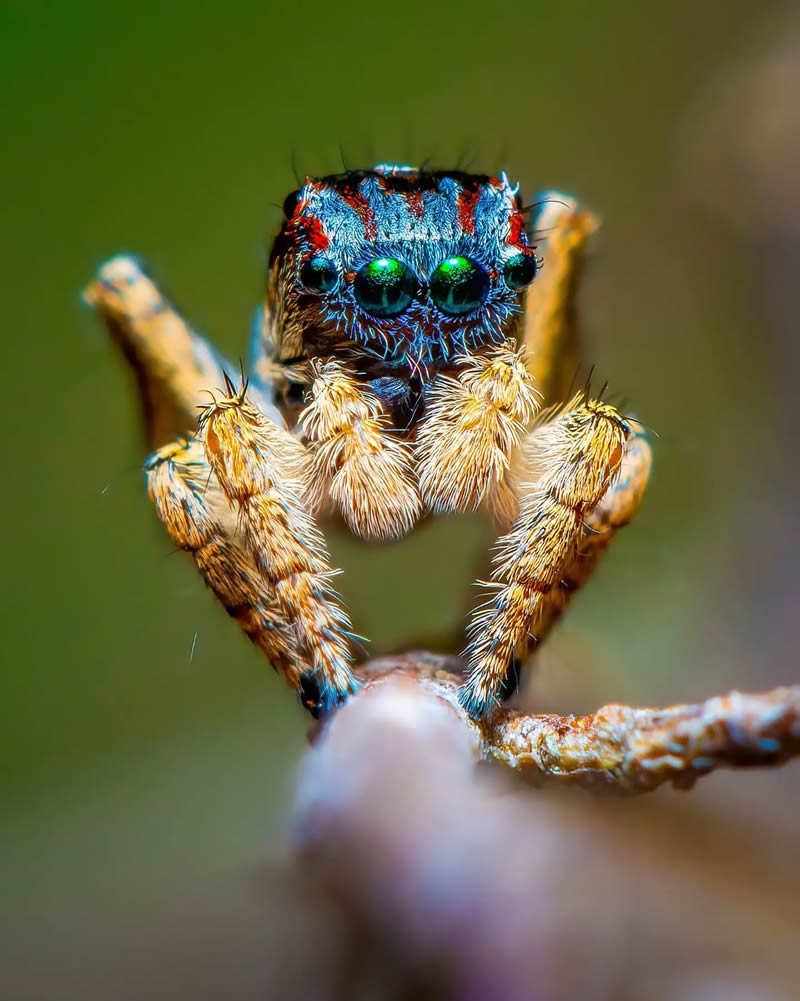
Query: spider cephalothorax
x=414 y=267
x=407 y=342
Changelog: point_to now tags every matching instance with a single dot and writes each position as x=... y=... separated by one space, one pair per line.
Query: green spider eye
x=318 y=274
x=384 y=287
x=459 y=285
x=519 y=271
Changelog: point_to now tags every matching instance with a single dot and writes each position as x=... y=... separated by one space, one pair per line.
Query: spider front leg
x=550 y=325
x=472 y=422
x=172 y=363
x=263 y=471
x=199 y=520
x=357 y=459
x=616 y=510
x=573 y=462
x=280 y=596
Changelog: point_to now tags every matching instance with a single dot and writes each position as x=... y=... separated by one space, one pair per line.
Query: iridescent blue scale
x=414 y=266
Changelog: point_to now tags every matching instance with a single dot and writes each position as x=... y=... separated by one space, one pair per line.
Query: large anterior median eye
x=519 y=270
x=318 y=274
x=384 y=287
x=459 y=285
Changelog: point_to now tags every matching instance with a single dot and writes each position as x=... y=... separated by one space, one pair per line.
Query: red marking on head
x=363 y=210
x=516 y=230
x=467 y=200
x=308 y=228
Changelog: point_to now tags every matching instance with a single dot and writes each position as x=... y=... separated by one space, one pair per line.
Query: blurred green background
x=143 y=785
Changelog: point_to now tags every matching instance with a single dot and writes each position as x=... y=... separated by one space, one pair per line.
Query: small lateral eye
x=318 y=274
x=519 y=270
x=290 y=203
x=459 y=285
x=384 y=287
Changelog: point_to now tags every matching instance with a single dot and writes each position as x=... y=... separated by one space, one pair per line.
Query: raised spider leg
x=358 y=462
x=199 y=520
x=175 y=369
x=617 y=509
x=174 y=366
x=550 y=328
x=263 y=470
x=571 y=462
x=472 y=423
x=551 y=336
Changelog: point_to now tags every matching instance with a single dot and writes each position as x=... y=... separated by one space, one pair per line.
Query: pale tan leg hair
x=199 y=520
x=552 y=338
x=263 y=470
x=173 y=365
x=572 y=462
x=357 y=460
x=550 y=328
x=616 y=510
x=473 y=420
x=175 y=369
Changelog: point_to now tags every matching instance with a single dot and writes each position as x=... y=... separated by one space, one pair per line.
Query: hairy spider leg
x=551 y=335
x=550 y=328
x=616 y=510
x=173 y=365
x=473 y=420
x=199 y=520
x=175 y=369
x=573 y=461
x=359 y=463
x=263 y=471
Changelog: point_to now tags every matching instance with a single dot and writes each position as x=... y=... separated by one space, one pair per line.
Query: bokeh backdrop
x=148 y=753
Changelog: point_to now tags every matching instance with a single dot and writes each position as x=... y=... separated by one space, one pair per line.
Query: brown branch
x=445 y=885
x=392 y=820
x=634 y=750
x=619 y=748
x=449 y=887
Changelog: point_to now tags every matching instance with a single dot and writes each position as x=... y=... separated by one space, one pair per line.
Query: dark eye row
x=385 y=286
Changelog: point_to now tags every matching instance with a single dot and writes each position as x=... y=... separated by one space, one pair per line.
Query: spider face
x=411 y=267
x=397 y=371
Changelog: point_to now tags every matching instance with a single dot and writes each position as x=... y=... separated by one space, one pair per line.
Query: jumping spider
x=408 y=361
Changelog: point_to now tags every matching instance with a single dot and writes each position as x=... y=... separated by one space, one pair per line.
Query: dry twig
x=473 y=893
x=445 y=885
x=619 y=748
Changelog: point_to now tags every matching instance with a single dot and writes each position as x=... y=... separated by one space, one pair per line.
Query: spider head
x=408 y=265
